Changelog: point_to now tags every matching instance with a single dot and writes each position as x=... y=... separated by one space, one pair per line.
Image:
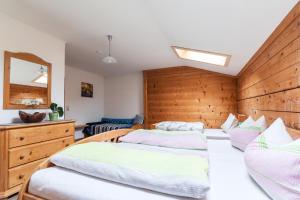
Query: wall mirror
x=27 y=81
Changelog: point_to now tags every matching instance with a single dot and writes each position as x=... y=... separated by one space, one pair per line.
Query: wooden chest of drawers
x=24 y=146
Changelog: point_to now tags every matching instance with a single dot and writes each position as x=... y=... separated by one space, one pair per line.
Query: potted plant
x=56 y=112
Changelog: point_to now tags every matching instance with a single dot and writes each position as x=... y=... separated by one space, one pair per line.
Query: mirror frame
x=6 y=90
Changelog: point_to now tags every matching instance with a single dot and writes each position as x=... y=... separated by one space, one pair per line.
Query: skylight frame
x=228 y=57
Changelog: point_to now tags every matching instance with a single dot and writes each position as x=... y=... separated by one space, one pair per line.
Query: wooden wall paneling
x=18 y=92
x=291 y=119
x=288 y=43
x=270 y=82
x=276 y=35
x=286 y=79
x=284 y=59
x=188 y=94
x=146 y=120
x=285 y=101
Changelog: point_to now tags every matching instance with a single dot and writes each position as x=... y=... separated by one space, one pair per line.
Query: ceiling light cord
x=109 y=41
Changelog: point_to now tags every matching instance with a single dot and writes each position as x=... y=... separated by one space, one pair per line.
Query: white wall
x=123 y=95
x=18 y=37
x=83 y=109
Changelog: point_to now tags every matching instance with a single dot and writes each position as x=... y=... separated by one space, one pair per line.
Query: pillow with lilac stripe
x=261 y=123
x=241 y=137
x=273 y=161
x=246 y=132
x=248 y=122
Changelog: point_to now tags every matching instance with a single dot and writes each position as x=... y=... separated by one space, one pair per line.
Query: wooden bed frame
x=111 y=136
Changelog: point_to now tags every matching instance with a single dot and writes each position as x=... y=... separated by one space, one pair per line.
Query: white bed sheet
x=217 y=134
x=228 y=177
x=228 y=174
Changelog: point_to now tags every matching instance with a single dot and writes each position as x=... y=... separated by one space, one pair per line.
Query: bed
x=222 y=157
x=223 y=185
x=216 y=134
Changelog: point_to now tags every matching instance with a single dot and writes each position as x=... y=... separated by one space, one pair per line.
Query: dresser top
x=25 y=125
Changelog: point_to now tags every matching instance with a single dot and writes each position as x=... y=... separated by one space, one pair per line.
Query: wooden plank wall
x=18 y=92
x=188 y=94
x=270 y=83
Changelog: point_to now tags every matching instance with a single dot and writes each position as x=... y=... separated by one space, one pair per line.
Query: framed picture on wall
x=86 y=89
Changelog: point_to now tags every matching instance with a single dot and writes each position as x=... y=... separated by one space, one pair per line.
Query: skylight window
x=42 y=79
x=202 y=56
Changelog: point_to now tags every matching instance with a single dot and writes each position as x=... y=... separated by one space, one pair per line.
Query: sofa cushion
x=138 y=119
x=116 y=121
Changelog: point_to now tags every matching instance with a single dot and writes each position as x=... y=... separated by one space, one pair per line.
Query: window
x=202 y=56
x=43 y=79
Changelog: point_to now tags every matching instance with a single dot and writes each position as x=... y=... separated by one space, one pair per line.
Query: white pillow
x=247 y=123
x=162 y=125
x=272 y=160
x=277 y=134
x=230 y=122
x=180 y=126
x=187 y=126
x=261 y=123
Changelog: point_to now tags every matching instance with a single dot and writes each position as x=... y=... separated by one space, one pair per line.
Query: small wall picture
x=86 y=89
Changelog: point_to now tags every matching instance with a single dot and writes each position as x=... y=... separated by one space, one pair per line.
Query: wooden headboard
x=269 y=84
x=294 y=133
x=188 y=94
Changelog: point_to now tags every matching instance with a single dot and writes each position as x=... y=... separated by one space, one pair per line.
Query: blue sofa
x=107 y=124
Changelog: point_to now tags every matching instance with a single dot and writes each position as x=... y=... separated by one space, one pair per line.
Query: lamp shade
x=109 y=60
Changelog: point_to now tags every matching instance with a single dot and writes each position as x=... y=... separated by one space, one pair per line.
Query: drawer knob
x=67 y=130
x=21 y=157
x=21 y=138
x=21 y=176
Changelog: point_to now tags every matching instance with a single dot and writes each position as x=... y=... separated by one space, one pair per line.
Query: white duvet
x=182 y=174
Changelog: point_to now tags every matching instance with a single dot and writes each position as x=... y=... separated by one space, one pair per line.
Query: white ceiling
x=144 y=30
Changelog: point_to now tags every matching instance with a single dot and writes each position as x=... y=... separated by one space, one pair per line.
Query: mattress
x=228 y=177
x=216 y=134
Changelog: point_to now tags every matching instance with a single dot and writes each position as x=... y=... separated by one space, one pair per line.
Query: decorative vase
x=53 y=116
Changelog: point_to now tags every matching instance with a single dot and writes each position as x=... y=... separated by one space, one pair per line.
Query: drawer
x=18 y=175
x=25 y=136
x=26 y=154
